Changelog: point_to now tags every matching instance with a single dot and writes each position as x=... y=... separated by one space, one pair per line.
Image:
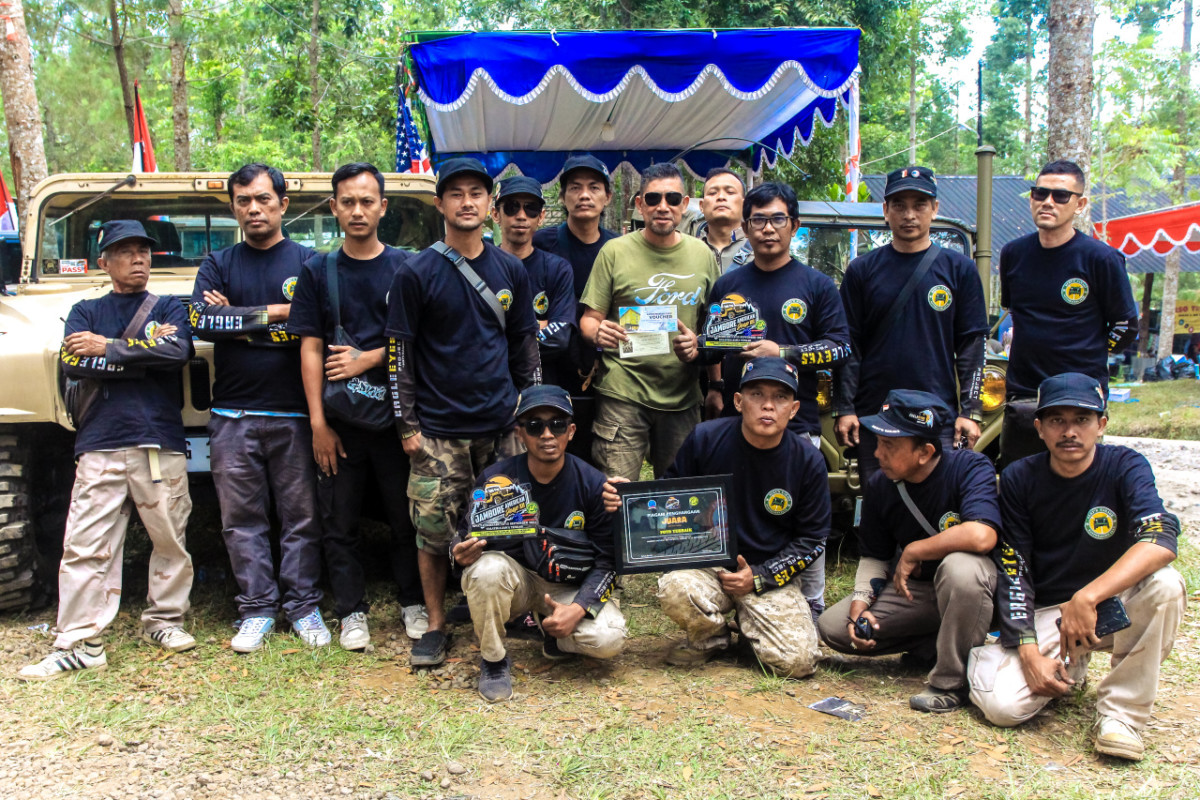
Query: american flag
x=411 y=153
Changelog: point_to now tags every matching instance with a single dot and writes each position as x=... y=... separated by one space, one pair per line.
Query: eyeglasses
x=652 y=199
x=513 y=207
x=778 y=221
x=1061 y=196
x=558 y=426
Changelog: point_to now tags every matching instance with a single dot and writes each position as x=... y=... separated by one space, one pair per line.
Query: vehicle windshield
x=189 y=228
x=826 y=248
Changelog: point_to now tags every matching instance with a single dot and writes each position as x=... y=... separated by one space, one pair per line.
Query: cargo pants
x=627 y=433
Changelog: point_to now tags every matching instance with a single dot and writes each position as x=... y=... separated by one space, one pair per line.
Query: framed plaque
x=502 y=508
x=732 y=324
x=674 y=524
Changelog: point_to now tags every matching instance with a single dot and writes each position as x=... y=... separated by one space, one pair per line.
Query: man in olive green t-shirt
x=641 y=284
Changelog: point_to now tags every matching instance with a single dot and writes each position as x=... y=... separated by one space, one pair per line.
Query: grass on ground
x=1166 y=410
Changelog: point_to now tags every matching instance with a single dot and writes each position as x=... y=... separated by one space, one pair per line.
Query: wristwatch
x=758 y=584
x=718 y=384
x=410 y=433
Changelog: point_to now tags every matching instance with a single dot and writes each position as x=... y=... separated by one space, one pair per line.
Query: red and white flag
x=143 y=150
x=8 y=217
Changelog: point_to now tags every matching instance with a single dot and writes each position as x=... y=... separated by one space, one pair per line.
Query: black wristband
x=718 y=384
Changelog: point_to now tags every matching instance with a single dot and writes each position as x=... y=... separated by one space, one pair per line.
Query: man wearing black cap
x=505 y=578
x=126 y=349
x=519 y=210
x=781 y=515
x=1083 y=528
x=938 y=508
x=585 y=191
x=463 y=344
x=917 y=320
x=1070 y=301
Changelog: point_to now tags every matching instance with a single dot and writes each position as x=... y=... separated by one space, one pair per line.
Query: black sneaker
x=495 y=680
x=429 y=650
x=524 y=627
x=459 y=613
x=550 y=648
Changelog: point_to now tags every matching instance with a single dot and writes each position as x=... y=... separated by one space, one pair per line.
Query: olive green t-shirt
x=631 y=272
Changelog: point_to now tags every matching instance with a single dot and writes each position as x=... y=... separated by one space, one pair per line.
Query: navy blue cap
x=544 y=396
x=586 y=161
x=519 y=185
x=908 y=412
x=1072 y=390
x=461 y=166
x=910 y=179
x=770 y=368
x=116 y=231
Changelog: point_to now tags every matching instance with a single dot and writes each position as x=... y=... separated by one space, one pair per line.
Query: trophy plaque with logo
x=732 y=324
x=503 y=508
x=674 y=524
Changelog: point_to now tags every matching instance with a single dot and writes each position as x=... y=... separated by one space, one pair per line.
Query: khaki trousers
x=777 y=623
x=498 y=589
x=1155 y=607
x=107 y=487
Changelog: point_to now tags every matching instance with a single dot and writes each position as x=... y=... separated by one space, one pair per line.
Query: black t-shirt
x=464 y=387
x=1063 y=300
x=581 y=256
x=799 y=306
x=363 y=286
x=779 y=498
x=257 y=363
x=140 y=400
x=919 y=352
x=961 y=488
x=550 y=283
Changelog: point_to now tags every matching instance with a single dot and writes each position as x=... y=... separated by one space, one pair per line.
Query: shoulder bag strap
x=139 y=319
x=331 y=285
x=912 y=508
x=473 y=278
x=902 y=299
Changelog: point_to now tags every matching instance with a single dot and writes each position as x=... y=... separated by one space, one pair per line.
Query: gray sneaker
x=938 y=701
x=495 y=680
x=355 y=634
x=416 y=620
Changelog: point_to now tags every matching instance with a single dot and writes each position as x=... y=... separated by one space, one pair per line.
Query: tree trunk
x=1144 y=321
x=179 y=89
x=22 y=114
x=1166 y=320
x=912 y=95
x=118 y=45
x=314 y=94
x=1028 y=93
x=1069 y=113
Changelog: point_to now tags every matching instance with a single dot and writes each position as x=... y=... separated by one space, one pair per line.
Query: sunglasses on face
x=1061 y=196
x=652 y=199
x=512 y=207
x=534 y=427
x=778 y=221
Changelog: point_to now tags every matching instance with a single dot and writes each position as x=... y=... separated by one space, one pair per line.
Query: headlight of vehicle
x=824 y=390
x=991 y=395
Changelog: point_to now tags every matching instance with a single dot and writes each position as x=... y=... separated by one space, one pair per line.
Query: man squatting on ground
x=936 y=602
x=781 y=515
x=1083 y=523
x=129 y=452
x=504 y=579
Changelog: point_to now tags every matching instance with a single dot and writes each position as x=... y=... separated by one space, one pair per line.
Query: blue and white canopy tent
x=531 y=99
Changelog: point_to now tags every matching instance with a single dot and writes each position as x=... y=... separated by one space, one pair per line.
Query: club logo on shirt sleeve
x=541 y=303
x=794 y=310
x=778 y=501
x=1101 y=522
x=940 y=297
x=151 y=329
x=949 y=520
x=505 y=298
x=289 y=288
x=575 y=521
x=1074 y=291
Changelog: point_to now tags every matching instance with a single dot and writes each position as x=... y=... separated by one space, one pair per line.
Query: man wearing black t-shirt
x=1069 y=298
x=780 y=511
x=801 y=317
x=933 y=344
x=462 y=345
x=1083 y=526
x=585 y=191
x=346 y=451
x=937 y=507
x=505 y=578
x=519 y=209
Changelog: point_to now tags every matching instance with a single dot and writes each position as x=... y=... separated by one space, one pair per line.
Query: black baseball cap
x=544 y=396
x=770 y=368
x=519 y=185
x=908 y=412
x=910 y=179
x=116 y=231
x=461 y=166
x=585 y=161
x=1072 y=390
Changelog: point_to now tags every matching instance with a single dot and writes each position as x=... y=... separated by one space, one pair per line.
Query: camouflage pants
x=778 y=623
x=443 y=474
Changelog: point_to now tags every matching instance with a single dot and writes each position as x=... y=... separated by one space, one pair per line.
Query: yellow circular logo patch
x=541 y=303
x=289 y=288
x=949 y=520
x=794 y=310
x=778 y=501
x=574 y=521
x=1074 y=291
x=1101 y=522
x=505 y=298
x=940 y=297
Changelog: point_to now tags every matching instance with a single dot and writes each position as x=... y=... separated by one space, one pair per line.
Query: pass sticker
x=72 y=266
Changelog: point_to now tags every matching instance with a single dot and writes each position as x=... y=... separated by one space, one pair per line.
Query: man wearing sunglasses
x=506 y=578
x=1070 y=302
x=933 y=342
x=647 y=400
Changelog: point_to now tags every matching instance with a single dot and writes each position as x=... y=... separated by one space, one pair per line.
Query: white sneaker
x=416 y=620
x=355 y=635
x=311 y=629
x=64 y=662
x=175 y=639
x=1113 y=737
x=252 y=634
